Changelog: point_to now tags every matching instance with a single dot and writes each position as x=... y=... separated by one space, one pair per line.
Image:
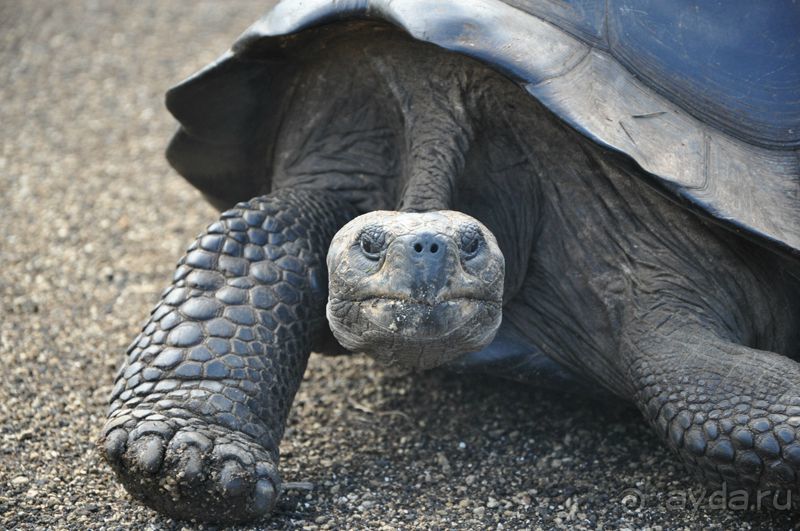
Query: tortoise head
x=415 y=289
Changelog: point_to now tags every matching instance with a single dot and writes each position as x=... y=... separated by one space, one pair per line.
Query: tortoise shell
x=704 y=97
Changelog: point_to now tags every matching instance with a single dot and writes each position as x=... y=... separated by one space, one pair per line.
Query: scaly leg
x=200 y=405
x=731 y=412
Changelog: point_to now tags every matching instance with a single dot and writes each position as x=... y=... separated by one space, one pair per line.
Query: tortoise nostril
x=427 y=246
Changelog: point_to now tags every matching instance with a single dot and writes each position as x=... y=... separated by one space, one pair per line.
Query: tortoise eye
x=372 y=241
x=471 y=241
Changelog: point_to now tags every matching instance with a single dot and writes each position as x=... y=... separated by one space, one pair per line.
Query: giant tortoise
x=596 y=193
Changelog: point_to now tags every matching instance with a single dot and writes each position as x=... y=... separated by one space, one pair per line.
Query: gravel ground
x=93 y=221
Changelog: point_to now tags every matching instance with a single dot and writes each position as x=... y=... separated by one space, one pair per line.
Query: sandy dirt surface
x=92 y=223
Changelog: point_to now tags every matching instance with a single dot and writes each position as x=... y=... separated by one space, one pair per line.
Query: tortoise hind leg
x=200 y=405
x=731 y=412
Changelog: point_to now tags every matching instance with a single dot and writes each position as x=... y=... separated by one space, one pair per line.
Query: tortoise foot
x=191 y=469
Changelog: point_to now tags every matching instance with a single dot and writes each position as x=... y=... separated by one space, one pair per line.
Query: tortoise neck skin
x=440 y=130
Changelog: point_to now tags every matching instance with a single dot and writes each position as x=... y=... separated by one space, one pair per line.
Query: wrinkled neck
x=439 y=125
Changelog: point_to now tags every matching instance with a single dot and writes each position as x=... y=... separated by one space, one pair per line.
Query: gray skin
x=415 y=289
x=607 y=284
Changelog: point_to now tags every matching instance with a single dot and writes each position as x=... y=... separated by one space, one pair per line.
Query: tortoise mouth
x=436 y=302
x=421 y=320
x=414 y=334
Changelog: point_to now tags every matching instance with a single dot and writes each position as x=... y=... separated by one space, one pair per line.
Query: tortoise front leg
x=200 y=405
x=731 y=412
